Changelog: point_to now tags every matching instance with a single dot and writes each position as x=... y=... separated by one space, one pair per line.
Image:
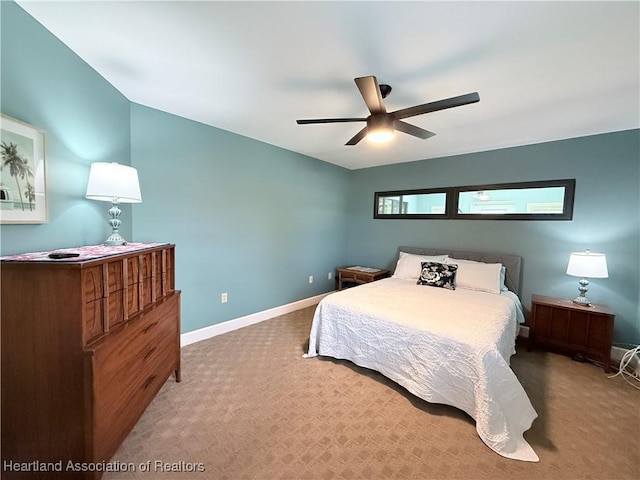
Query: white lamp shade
x=112 y=181
x=587 y=265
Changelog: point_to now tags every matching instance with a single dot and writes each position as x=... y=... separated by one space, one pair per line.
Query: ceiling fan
x=381 y=124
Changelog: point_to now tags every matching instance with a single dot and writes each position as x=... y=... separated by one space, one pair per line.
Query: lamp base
x=582 y=301
x=582 y=298
x=115 y=240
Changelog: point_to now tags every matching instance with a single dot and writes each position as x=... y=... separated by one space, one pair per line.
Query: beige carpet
x=249 y=407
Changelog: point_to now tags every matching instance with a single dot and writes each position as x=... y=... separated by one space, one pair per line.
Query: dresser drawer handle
x=149 y=327
x=148 y=354
x=148 y=381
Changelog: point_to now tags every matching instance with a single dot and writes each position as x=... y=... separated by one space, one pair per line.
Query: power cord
x=629 y=375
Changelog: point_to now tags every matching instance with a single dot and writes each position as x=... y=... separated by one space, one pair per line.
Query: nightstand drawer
x=355 y=277
x=359 y=275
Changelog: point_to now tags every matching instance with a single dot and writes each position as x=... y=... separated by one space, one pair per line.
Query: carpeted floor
x=249 y=407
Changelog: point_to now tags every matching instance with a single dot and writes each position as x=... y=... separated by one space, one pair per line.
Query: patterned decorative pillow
x=437 y=274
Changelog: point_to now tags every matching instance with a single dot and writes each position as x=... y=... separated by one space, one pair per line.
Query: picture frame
x=23 y=189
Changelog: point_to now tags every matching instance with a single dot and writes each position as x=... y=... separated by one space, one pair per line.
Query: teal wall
x=247 y=218
x=606 y=216
x=255 y=221
x=86 y=120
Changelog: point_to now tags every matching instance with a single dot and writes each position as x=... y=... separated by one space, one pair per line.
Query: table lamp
x=586 y=265
x=115 y=183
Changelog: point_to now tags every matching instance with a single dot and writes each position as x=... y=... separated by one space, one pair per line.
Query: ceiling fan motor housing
x=381 y=121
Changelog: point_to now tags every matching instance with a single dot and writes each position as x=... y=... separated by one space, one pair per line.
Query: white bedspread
x=450 y=347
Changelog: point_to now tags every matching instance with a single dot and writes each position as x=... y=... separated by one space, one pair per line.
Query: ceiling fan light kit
x=380 y=128
x=380 y=136
x=380 y=124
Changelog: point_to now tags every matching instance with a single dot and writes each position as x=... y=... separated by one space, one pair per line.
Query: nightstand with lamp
x=575 y=326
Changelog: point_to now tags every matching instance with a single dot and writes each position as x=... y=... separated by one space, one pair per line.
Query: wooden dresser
x=87 y=342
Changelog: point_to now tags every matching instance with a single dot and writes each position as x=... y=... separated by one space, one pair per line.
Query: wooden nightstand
x=560 y=323
x=359 y=275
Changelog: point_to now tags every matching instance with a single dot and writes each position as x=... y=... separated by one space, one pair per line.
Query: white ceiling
x=544 y=70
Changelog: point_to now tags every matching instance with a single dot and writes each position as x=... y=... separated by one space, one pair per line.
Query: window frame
x=411 y=216
x=567 y=207
x=452 y=199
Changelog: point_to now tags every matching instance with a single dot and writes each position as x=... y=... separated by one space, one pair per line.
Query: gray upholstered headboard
x=512 y=263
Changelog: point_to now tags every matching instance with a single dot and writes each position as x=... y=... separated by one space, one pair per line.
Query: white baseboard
x=230 y=325
x=616 y=355
x=524 y=331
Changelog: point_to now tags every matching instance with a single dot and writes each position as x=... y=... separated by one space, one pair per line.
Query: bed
x=448 y=345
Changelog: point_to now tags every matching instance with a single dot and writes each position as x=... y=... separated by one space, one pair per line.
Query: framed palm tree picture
x=23 y=192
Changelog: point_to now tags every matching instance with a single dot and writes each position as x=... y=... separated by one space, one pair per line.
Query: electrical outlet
x=310 y=278
x=223 y=297
x=329 y=275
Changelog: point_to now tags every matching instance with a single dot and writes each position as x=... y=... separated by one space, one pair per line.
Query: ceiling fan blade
x=413 y=130
x=438 y=105
x=330 y=120
x=370 y=91
x=359 y=136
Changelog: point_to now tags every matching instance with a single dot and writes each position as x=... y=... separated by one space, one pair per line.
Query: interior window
x=544 y=200
x=410 y=204
x=548 y=200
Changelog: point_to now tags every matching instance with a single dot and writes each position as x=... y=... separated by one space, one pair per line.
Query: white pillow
x=484 y=277
x=503 y=272
x=409 y=266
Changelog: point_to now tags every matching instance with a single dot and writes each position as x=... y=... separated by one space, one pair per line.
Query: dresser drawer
x=119 y=404
x=115 y=309
x=125 y=350
x=147 y=299
x=92 y=320
x=168 y=272
x=133 y=270
x=147 y=260
x=133 y=300
x=92 y=284
x=103 y=294
x=115 y=275
x=128 y=370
